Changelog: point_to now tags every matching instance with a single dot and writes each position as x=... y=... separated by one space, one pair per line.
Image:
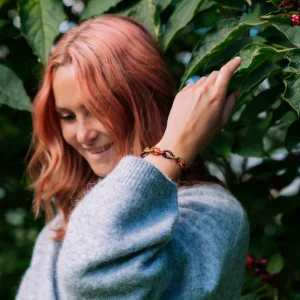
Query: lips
x=98 y=154
x=101 y=149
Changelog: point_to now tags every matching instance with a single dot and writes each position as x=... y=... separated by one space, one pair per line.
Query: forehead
x=66 y=91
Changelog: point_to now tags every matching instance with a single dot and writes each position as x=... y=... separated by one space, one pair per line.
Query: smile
x=99 y=153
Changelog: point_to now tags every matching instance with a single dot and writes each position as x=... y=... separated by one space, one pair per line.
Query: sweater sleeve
x=115 y=244
x=125 y=240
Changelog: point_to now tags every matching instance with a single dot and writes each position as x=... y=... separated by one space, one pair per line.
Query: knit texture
x=135 y=235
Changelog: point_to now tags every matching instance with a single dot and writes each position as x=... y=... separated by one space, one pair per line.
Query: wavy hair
x=122 y=72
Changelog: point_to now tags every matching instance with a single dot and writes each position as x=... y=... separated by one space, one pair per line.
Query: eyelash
x=67 y=118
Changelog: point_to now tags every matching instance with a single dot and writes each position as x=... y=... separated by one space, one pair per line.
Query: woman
x=126 y=227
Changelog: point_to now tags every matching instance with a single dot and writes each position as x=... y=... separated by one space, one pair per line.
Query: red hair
x=123 y=74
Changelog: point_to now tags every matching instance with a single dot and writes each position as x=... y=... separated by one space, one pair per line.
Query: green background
x=257 y=154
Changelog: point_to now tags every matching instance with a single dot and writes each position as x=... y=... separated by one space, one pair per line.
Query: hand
x=199 y=112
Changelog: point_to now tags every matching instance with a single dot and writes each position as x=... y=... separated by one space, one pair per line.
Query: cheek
x=68 y=134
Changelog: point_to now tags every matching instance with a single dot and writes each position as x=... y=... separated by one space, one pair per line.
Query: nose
x=86 y=133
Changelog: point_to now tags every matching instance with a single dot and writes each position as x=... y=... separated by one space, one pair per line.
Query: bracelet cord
x=168 y=155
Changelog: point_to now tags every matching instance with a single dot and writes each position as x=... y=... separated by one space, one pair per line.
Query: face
x=79 y=127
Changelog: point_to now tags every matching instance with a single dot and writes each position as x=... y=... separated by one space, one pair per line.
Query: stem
x=223 y=14
x=280 y=46
x=233 y=8
x=227 y=173
x=260 y=289
x=280 y=8
x=286 y=49
x=265 y=295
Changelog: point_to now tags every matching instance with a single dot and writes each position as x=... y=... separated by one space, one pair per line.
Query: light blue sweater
x=135 y=235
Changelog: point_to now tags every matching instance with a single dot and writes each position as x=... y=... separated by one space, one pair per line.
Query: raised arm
x=126 y=240
x=115 y=245
x=120 y=240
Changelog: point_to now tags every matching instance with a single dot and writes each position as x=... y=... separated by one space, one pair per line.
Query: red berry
x=284 y=3
x=296 y=20
x=263 y=262
x=264 y=277
x=294 y=4
x=257 y=271
x=249 y=262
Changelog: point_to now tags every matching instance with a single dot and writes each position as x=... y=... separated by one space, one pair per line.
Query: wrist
x=166 y=166
x=173 y=165
x=180 y=149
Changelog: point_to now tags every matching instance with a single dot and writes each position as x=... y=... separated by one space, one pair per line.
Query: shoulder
x=214 y=204
x=213 y=195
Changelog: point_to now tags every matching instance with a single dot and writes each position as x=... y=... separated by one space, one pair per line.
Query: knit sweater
x=136 y=235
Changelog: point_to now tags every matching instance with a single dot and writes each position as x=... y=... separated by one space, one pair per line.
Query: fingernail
x=238 y=57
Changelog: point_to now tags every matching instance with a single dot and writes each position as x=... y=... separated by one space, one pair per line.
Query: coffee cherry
x=284 y=3
x=257 y=272
x=249 y=262
x=263 y=262
x=296 y=20
x=264 y=277
x=294 y=4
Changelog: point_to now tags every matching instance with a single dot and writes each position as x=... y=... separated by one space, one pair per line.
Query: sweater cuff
x=138 y=174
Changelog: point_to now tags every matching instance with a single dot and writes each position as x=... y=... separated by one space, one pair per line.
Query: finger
x=229 y=105
x=201 y=81
x=226 y=73
x=212 y=78
x=188 y=86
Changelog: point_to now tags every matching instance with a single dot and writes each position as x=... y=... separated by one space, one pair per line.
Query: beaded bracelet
x=168 y=155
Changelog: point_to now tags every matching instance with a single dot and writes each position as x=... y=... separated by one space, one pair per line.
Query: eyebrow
x=80 y=107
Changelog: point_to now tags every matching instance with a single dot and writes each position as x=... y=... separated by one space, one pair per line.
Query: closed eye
x=67 y=117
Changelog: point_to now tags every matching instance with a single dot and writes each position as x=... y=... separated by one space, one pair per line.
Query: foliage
x=257 y=153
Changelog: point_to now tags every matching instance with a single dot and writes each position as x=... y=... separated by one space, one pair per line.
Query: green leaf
x=230 y=52
x=12 y=92
x=254 y=55
x=146 y=13
x=223 y=143
x=161 y=5
x=260 y=103
x=40 y=20
x=294 y=58
x=96 y=8
x=249 y=143
x=275 y=264
x=262 y=72
x=216 y=40
x=182 y=15
x=251 y=296
x=283 y=19
x=291 y=32
x=292 y=90
x=292 y=137
x=232 y=4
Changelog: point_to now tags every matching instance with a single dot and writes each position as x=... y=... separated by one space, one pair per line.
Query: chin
x=102 y=170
